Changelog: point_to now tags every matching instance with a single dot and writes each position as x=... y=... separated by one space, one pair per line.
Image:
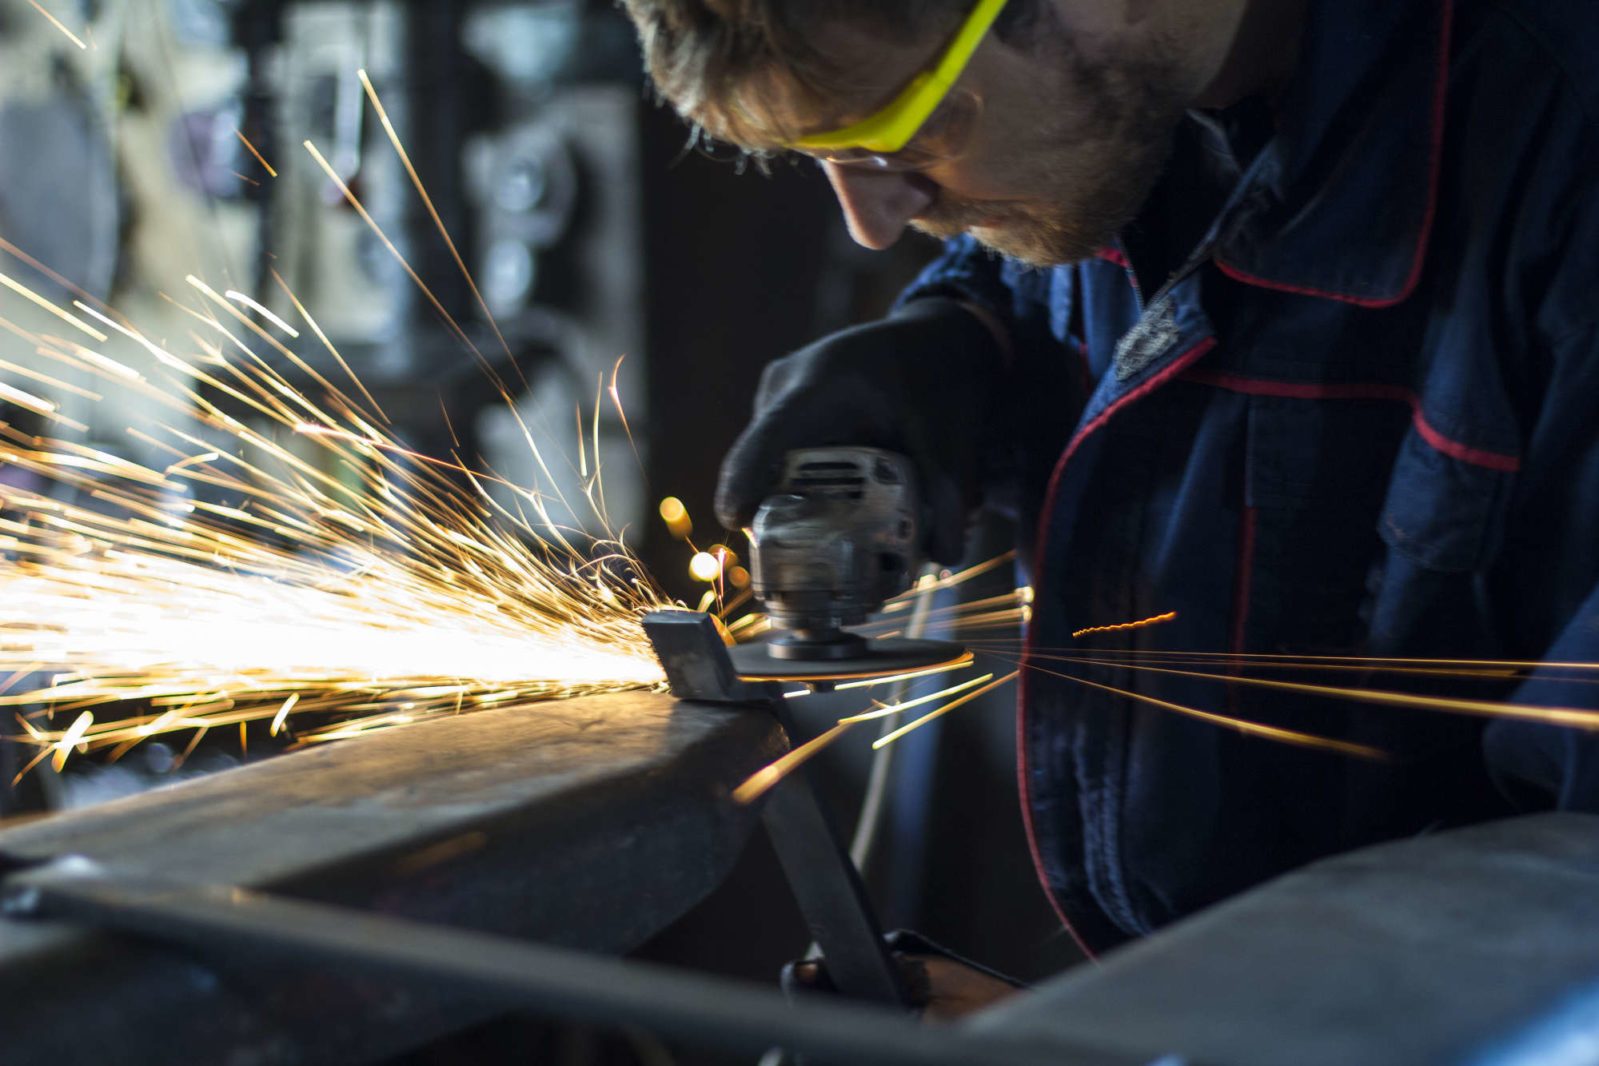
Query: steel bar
x=590 y=822
x=829 y=891
x=229 y=924
x=820 y=872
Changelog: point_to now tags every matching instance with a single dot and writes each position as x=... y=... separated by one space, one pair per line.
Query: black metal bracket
x=692 y=652
x=820 y=873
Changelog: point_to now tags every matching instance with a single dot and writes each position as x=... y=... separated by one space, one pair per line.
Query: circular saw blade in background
x=59 y=197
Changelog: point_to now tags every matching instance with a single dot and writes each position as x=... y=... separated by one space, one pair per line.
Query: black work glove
x=921 y=382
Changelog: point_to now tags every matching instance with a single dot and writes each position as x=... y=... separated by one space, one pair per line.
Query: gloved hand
x=921 y=382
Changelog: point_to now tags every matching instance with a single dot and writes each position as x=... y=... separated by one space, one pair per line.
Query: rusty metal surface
x=587 y=823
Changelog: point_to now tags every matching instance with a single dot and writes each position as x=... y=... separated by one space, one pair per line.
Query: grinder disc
x=882 y=658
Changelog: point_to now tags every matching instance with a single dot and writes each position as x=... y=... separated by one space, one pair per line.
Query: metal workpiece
x=831 y=895
x=1476 y=945
x=696 y=659
x=590 y=823
x=234 y=926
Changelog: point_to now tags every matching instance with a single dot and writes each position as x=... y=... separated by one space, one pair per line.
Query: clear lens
x=724 y=152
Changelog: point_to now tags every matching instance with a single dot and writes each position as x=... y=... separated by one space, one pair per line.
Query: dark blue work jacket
x=1362 y=420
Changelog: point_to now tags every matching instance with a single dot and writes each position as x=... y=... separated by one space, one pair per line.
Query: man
x=1279 y=314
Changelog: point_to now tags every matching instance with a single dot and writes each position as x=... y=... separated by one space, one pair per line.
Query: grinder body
x=840 y=537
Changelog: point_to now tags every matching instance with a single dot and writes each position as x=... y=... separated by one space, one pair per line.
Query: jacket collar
x=1341 y=202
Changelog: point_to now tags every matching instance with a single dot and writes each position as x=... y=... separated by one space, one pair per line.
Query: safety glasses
x=928 y=122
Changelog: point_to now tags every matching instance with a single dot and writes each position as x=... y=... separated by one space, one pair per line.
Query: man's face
x=1075 y=126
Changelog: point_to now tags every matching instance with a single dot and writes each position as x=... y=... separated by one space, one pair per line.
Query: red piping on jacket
x=1376 y=391
x=1112 y=254
x=1180 y=364
x=1508 y=464
x=1429 y=215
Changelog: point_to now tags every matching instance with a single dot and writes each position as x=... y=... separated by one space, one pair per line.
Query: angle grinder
x=841 y=536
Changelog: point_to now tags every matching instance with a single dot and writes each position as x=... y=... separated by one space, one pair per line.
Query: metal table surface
x=589 y=823
x=1477 y=945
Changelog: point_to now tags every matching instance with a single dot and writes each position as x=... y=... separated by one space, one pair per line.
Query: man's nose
x=878 y=205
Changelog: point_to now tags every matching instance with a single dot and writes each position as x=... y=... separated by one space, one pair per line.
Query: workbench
x=589 y=823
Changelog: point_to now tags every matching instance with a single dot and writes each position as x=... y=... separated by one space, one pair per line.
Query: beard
x=1083 y=176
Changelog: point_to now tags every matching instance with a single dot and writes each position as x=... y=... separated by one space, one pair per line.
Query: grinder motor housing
x=840 y=537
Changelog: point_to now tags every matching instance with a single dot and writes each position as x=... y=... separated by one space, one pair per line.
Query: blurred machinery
x=522 y=125
x=173 y=144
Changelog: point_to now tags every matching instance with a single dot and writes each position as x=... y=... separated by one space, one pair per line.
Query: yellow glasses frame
x=891 y=129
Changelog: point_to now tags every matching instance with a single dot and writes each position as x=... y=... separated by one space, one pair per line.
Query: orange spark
x=57 y=23
x=39 y=301
x=1521 y=664
x=910 y=727
x=392 y=583
x=427 y=201
x=326 y=343
x=1285 y=736
x=888 y=710
x=616 y=399
x=1566 y=716
x=949 y=580
x=1169 y=616
x=1484 y=671
x=765 y=779
x=262 y=310
x=895 y=679
x=259 y=158
x=70 y=739
x=416 y=279
x=283 y=713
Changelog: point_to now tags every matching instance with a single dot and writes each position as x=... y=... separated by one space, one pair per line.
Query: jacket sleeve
x=1538 y=765
x=1555 y=591
x=1041 y=389
x=1545 y=592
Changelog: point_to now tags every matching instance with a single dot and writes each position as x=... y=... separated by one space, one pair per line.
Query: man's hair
x=721 y=63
